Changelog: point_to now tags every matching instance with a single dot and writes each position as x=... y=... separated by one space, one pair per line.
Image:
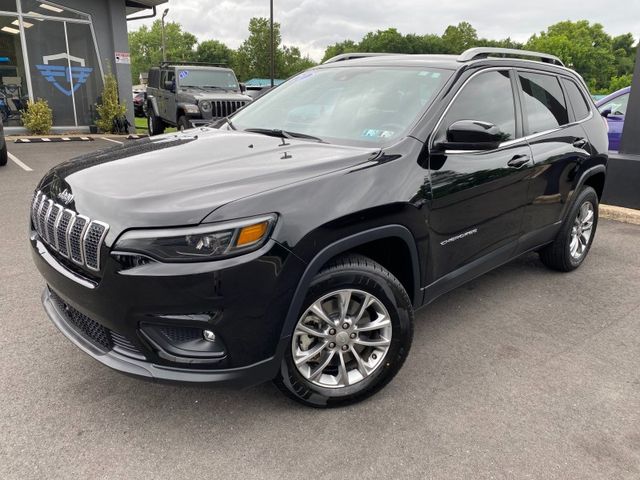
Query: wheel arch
x=593 y=177
x=362 y=242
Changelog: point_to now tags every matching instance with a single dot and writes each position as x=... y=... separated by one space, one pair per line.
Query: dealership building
x=60 y=51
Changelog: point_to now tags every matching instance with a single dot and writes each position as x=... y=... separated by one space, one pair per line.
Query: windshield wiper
x=217 y=88
x=276 y=132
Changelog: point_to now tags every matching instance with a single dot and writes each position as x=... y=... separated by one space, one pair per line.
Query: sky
x=312 y=25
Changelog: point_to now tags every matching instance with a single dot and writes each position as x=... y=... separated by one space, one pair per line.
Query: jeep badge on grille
x=65 y=196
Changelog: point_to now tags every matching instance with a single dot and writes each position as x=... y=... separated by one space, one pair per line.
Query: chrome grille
x=73 y=236
x=226 y=108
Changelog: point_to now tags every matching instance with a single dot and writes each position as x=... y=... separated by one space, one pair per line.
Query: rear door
x=558 y=143
x=479 y=197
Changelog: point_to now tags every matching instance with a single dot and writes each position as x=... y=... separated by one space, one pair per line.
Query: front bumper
x=243 y=300
x=240 y=377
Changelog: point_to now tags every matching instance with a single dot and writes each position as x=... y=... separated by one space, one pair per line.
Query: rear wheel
x=352 y=336
x=572 y=244
x=155 y=125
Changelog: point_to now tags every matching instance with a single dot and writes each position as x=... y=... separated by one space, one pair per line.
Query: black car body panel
x=434 y=217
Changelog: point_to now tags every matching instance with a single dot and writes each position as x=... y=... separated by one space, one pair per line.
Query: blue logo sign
x=76 y=75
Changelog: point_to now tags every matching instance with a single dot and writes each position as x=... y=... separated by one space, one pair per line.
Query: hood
x=178 y=179
x=212 y=95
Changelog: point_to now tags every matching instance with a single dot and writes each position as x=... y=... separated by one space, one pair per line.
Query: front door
x=478 y=197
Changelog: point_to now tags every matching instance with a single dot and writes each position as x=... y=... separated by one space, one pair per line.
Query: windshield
x=190 y=77
x=351 y=105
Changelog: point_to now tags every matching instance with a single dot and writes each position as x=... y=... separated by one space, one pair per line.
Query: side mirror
x=473 y=135
x=243 y=88
x=606 y=113
x=168 y=86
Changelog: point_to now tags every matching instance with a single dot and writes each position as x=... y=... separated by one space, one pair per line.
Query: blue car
x=614 y=109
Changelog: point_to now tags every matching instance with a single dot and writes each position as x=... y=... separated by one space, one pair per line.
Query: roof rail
x=169 y=63
x=485 y=52
x=352 y=56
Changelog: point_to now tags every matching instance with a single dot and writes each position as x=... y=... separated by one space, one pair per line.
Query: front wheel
x=573 y=242
x=352 y=336
x=155 y=125
x=183 y=123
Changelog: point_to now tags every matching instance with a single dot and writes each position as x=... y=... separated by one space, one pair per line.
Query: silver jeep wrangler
x=185 y=96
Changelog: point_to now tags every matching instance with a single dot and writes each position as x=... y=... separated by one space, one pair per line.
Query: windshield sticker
x=372 y=133
x=183 y=74
x=304 y=76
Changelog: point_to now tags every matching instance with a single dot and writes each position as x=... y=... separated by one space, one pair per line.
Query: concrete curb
x=620 y=214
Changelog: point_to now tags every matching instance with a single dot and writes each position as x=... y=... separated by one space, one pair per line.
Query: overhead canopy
x=134 y=6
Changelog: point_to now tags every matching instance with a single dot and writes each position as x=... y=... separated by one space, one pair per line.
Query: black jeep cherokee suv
x=294 y=241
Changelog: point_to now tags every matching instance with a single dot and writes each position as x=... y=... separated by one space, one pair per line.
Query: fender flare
x=153 y=103
x=342 y=246
x=588 y=173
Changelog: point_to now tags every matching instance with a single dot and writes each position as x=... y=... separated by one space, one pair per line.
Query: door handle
x=580 y=143
x=519 y=160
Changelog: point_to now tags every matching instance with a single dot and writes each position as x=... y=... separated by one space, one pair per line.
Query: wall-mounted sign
x=123 y=57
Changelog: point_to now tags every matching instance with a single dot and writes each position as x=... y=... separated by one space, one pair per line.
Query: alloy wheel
x=581 y=231
x=342 y=338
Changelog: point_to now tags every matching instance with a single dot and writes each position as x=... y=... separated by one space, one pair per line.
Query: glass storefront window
x=63 y=63
x=87 y=81
x=49 y=69
x=13 y=84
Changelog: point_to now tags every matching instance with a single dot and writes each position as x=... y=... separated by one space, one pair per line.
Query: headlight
x=205 y=105
x=204 y=242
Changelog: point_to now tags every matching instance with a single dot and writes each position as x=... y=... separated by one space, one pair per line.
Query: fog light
x=209 y=336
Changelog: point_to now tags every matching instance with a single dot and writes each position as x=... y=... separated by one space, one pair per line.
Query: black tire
x=183 y=123
x=557 y=255
x=4 y=156
x=155 y=125
x=362 y=274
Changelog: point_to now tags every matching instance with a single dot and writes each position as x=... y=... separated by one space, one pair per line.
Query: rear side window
x=488 y=98
x=154 y=78
x=544 y=103
x=578 y=102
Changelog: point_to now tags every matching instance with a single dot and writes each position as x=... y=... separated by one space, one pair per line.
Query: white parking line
x=19 y=162
x=111 y=140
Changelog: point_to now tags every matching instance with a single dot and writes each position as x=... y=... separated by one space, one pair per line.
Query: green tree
x=582 y=46
x=293 y=62
x=347 y=46
x=458 y=38
x=254 y=55
x=389 y=40
x=145 y=45
x=110 y=107
x=253 y=58
x=213 y=51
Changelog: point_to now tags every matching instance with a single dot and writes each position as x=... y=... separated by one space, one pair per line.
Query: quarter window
x=488 y=98
x=580 y=106
x=544 y=104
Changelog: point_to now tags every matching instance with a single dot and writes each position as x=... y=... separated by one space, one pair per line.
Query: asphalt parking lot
x=523 y=373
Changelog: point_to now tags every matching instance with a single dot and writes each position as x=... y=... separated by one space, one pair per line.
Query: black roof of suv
x=296 y=240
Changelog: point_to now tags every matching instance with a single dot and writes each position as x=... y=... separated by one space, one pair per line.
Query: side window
x=153 y=80
x=167 y=76
x=544 y=103
x=580 y=106
x=488 y=98
x=617 y=106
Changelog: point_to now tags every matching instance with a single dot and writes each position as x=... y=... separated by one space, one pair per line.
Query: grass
x=141 y=126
